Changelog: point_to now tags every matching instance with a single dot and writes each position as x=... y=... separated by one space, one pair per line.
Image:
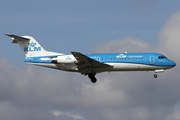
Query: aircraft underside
x=71 y=67
x=116 y=67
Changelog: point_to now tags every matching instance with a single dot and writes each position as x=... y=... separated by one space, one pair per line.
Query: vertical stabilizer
x=29 y=45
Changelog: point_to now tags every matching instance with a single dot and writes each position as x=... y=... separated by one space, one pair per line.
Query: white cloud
x=169 y=37
x=174 y=116
x=128 y=44
x=76 y=117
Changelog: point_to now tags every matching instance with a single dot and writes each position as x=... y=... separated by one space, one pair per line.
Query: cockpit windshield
x=162 y=57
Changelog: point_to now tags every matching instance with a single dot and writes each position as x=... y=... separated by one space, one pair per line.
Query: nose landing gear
x=92 y=77
x=158 y=71
x=155 y=76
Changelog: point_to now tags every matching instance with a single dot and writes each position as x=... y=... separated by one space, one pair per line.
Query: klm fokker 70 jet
x=91 y=64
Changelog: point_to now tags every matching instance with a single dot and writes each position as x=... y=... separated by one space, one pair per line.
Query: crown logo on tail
x=32 y=44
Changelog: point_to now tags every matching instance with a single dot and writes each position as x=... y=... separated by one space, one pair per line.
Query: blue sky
x=64 y=26
x=34 y=93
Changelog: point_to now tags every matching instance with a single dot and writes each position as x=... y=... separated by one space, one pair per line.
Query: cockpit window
x=162 y=57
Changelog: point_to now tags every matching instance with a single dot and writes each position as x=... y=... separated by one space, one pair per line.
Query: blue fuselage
x=118 y=61
x=154 y=59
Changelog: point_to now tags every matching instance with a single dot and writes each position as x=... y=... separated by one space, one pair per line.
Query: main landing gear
x=92 y=77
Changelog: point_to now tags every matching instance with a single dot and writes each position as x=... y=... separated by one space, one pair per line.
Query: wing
x=86 y=65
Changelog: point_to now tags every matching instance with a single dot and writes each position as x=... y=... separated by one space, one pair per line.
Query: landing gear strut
x=155 y=75
x=92 y=77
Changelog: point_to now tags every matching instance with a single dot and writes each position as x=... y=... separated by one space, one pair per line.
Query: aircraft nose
x=172 y=63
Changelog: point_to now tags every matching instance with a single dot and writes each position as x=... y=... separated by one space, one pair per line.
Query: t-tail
x=30 y=46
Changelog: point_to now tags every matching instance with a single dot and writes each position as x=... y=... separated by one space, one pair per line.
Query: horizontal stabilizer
x=15 y=38
x=30 y=46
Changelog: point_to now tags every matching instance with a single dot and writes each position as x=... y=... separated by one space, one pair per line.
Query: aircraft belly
x=43 y=64
x=116 y=67
x=65 y=67
x=126 y=67
x=133 y=67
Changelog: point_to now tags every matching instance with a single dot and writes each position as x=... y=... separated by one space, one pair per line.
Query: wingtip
x=75 y=52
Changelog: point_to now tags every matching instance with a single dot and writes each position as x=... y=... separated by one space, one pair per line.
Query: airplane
x=91 y=64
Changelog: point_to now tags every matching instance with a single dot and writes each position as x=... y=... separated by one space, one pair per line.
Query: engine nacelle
x=64 y=59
